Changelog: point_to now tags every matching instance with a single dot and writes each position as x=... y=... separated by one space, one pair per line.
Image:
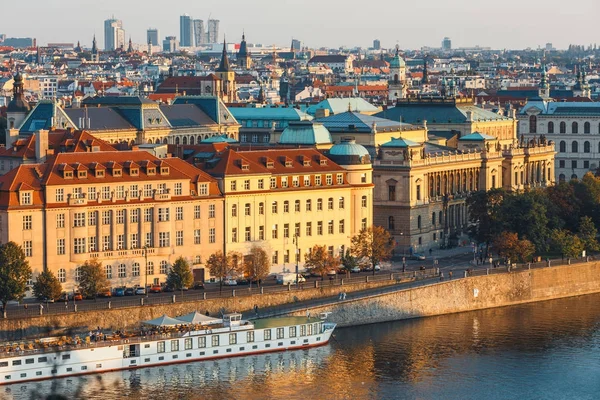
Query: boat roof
x=277 y=322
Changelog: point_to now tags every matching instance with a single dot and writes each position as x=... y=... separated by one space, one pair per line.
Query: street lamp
x=297 y=258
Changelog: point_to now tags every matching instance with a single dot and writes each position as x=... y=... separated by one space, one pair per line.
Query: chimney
x=41 y=145
x=470 y=116
x=11 y=136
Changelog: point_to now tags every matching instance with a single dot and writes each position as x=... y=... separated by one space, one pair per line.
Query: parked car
x=355 y=270
x=129 y=291
x=77 y=296
x=166 y=289
x=369 y=268
x=140 y=291
x=155 y=289
x=63 y=297
x=198 y=286
x=230 y=282
x=119 y=292
x=105 y=293
x=47 y=300
x=332 y=272
x=418 y=256
x=243 y=281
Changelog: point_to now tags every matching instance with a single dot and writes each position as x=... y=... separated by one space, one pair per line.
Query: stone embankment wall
x=475 y=293
x=129 y=318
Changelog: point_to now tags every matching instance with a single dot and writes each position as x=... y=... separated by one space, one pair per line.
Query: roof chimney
x=41 y=145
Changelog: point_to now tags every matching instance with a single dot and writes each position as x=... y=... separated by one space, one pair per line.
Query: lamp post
x=297 y=259
x=146 y=271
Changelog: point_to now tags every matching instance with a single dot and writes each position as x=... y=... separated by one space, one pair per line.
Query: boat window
x=309 y=326
x=38 y=373
x=233 y=338
x=254 y=347
x=84 y=367
x=160 y=347
x=267 y=334
x=250 y=336
x=42 y=359
x=215 y=340
x=202 y=353
x=98 y=365
x=4 y=364
x=292 y=331
x=66 y=356
x=7 y=377
x=279 y=333
x=23 y=375
x=279 y=343
x=188 y=354
x=174 y=345
x=69 y=369
x=29 y=361
x=146 y=360
x=188 y=344
x=302 y=330
x=242 y=348
x=202 y=342
x=293 y=342
x=267 y=345
x=16 y=362
x=161 y=358
x=146 y=346
x=175 y=356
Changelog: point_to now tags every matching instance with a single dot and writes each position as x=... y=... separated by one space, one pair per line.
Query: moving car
x=355 y=270
x=77 y=296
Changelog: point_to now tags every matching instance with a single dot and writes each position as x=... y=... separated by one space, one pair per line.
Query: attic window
x=151 y=171
x=99 y=173
x=270 y=164
x=134 y=172
x=306 y=162
x=68 y=174
x=245 y=167
x=117 y=172
x=288 y=162
x=164 y=170
x=323 y=161
x=82 y=174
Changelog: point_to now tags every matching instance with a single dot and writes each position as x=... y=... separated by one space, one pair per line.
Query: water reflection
x=546 y=350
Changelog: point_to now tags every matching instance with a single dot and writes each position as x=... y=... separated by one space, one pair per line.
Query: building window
x=586 y=164
x=164 y=267
x=586 y=127
x=106 y=243
x=106 y=193
x=79 y=246
x=309 y=205
x=562 y=147
x=328 y=179
x=286 y=230
x=297 y=229
x=391 y=225
x=274 y=232
x=340 y=179
x=563 y=127
x=319 y=204
x=341 y=204
x=196 y=212
x=306 y=180
x=273 y=183
x=234 y=210
x=317 y=180
x=247 y=184
x=163 y=214
x=62 y=275
x=532 y=124
x=234 y=235
x=392 y=192
x=274 y=207
x=330 y=203
x=60 y=220
x=148 y=190
x=148 y=214
x=363 y=202
x=108 y=271
x=28 y=248
x=341 y=226
x=284 y=182
x=320 y=228
x=60 y=195
x=179 y=238
x=106 y=217
x=573 y=164
x=164 y=239
x=247 y=209
x=120 y=216
x=197 y=236
x=150 y=268
x=261 y=208
x=212 y=236
x=550 y=127
x=178 y=190
x=60 y=247
x=120 y=241
x=261 y=232
x=261 y=184
x=432 y=218
x=297 y=206
x=135 y=269
x=203 y=189
x=574 y=127
x=309 y=229
x=211 y=211
x=26 y=198
x=179 y=213
x=330 y=227
x=122 y=271
x=561 y=164
x=574 y=146
x=134 y=216
x=28 y=222
x=134 y=191
x=587 y=147
x=275 y=258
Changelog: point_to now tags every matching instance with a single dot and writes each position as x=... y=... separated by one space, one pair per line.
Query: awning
x=198 y=318
x=165 y=320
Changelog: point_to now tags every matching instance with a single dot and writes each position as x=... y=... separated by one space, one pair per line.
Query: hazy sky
x=410 y=23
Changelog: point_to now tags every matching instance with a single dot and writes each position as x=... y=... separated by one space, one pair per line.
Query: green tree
x=525 y=214
x=349 y=261
x=374 y=244
x=14 y=273
x=483 y=209
x=221 y=266
x=257 y=264
x=588 y=234
x=568 y=244
x=92 y=278
x=319 y=261
x=47 y=286
x=180 y=275
x=509 y=246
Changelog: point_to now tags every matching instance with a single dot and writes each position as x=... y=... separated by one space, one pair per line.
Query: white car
x=140 y=290
x=230 y=282
x=355 y=270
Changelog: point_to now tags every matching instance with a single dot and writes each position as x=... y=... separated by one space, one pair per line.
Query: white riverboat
x=227 y=337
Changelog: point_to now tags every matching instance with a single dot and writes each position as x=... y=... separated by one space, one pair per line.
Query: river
x=548 y=350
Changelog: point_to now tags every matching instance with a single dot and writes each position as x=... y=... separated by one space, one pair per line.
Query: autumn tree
x=509 y=246
x=221 y=266
x=319 y=261
x=180 y=275
x=47 y=286
x=257 y=264
x=568 y=244
x=92 y=278
x=483 y=209
x=349 y=261
x=14 y=273
x=588 y=234
x=374 y=244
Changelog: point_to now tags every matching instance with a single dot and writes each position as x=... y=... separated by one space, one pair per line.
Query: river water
x=547 y=350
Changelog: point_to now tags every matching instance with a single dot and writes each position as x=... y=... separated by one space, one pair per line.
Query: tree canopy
x=374 y=244
x=180 y=275
x=509 y=246
x=319 y=261
x=222 y=266
x=257 y=263
x=92 y=278
x=14 y=273
x=47 y=286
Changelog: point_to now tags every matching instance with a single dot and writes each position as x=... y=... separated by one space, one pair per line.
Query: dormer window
x=99 y=173
x=117 y=172
x=68 y=174
x=270 y=164
x=26 y=198
x=306 y=162
x=164 y=170
x=151 y=171
x=288 y=162
x=323 y=161
x=82 y=174
x=245 y=167
x=134 y=172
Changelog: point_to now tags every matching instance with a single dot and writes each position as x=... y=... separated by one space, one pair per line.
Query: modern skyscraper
x=152 y=37
x=199 y=32
x=186 y=31
x=213 y=31
x=296 y=45
x=171 y=44
x=446 y=44
x=114 y=35
x=376 y=44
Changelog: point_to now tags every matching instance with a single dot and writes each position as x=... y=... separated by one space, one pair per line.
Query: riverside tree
x=319 y=261
x=568 y=244
x=92 y=278
x=180 y=275
x=509 y=246
x=257 y=264
x=221 y=266
x=47 y=286
x=374 y=244
x=14 y=274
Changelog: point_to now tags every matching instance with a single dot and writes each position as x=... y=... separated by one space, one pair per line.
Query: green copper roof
x=305 y=133
x=477 y=137
x=400 y=143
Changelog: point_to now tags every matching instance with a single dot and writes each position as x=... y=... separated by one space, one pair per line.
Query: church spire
x=130 y=48
x=94 y=45
x=224 y=65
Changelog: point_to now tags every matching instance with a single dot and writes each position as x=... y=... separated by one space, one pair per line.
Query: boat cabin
x=233 y=319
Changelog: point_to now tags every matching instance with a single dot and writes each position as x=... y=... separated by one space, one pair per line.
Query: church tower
x=396 y=84
x=95 y=54
x=17 y=109
x=244 y=59
x=130 y=47
x=544 y=84
x=227 y=77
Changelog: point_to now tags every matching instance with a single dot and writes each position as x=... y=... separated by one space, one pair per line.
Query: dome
x=397 y=62
x=349 y=153
x=18 y=104
x=305 y=133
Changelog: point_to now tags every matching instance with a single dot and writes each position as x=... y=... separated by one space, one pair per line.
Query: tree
x=221 y=266
x=509 y=246
x=92 y=278
x=319 y=261
x=484 y=216
x=568 y=244
x=374 y=244
x=588 y=234
x=257 y=264
x=349 y=261
x=180 y=275
x=47 y=286
x=14 y=273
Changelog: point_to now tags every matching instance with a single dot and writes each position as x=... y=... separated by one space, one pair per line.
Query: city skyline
x=516 y=25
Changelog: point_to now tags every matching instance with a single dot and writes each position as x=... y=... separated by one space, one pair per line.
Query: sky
x=505 y=24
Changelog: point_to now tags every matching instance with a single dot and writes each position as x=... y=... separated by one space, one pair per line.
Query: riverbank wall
x=468 y=294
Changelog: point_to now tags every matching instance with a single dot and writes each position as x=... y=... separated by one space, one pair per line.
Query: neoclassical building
x=574 y=127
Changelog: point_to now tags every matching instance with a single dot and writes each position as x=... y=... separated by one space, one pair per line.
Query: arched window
x=587 y=127
x=177 y=140
x=192 y=140
x=574 y=127
x=574 y=176
x=561 y=178
x=563 y=146
x=550 y=127
x=419 y=222
x=532 y=124
x=391 y=223
x=586 y=147
x=184 y=140
x=563 y=127
x=574 y=146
